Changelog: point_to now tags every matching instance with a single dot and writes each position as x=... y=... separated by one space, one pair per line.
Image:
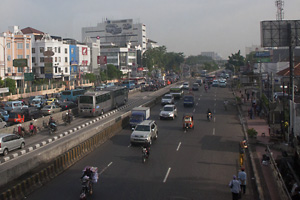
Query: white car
x=186 y=85
x=167 y=99
x=144 y=132
x=168 y=111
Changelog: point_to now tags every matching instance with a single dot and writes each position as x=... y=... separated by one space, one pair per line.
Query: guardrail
x=80 y=147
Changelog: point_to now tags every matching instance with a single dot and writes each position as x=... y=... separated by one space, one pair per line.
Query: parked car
x=20 y=115
x=50 y=109
x=3 y=123
x=9 y=142
x=68 y=105
x=168 y=111
x=144 y=132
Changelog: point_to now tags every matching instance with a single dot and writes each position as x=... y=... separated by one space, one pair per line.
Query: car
x=195 y=86
x=20 y=115
x=215 y=83
x=51 y=101
x=11 y=105
x=38 y=103
x=100 y=87
x=67 y=105
x=9 y=142
x=4 y=114
x=199 y=81
x=168 y=111
x=167 y=99
x=50 y=109
x=186 y=85
x=3 y=123
x=222 y=83
x=110 y=84
x=144 y=132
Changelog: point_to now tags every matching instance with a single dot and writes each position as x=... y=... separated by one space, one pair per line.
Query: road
x=197 y=164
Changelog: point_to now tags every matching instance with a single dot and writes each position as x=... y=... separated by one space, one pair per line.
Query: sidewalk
x=266 y=183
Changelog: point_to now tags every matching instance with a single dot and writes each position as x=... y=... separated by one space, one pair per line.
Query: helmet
x=31 y=123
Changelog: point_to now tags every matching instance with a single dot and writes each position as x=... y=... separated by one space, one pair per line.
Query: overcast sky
x=189 y=26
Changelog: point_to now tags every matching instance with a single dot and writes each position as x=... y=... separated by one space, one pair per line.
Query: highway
x=197 y=164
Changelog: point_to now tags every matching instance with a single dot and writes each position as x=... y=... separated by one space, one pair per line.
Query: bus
x=138 y=80
x=129 y=84
x=72 y=95
x=97 y=103
x=177 y=91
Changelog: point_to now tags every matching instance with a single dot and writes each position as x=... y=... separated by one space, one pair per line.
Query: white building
x=119 y=33
x=83 y=53
x=95 y=53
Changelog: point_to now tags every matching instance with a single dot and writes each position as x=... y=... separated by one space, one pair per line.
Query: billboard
x=119 y=27
x=102 y=60
x=276 y=33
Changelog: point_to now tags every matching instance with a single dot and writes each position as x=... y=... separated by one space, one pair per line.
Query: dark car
x=20 y=115
x=67 y=105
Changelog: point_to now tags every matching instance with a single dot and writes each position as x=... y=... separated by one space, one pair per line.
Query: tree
x=113 y=72
x=11 y=84
x=91 y=77
x=235 y=61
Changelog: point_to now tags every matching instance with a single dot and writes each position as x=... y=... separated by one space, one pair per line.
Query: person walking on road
x=235 y=186
x=242 y=177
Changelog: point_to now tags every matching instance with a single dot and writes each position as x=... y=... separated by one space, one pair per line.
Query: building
x=15 y=45
x=119 y=33
x=212 y=55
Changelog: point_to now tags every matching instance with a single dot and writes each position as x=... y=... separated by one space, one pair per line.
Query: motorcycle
x=145 y=154
x=52 y=128
x=209 y=116
x=67 y=119
x=86 y=188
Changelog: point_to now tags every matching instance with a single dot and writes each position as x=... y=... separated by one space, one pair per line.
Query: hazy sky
x=189 y=26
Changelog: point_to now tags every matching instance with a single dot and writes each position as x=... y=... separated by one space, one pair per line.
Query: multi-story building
x=15 y=45
x=119 y=33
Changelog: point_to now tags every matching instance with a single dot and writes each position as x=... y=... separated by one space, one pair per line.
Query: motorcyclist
x=88 y=172
x=147 y=147
x=69 y=116
x=208 y=112
x=21 y=130
x=51 y=122
x=225 y=104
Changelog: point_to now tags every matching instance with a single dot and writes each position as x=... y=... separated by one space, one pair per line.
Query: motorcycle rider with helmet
x=209 y=113
x=52 y=123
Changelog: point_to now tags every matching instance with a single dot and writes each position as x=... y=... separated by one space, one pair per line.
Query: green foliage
x=11 y=84
x=113 y=72
x=252 y=132
x=235 y=61
x=91 y=77
x=159 y=57
x=265 y=100
x=198 y=60
x=103 y=76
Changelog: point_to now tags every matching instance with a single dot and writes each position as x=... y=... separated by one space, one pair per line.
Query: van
x=9 y=142
x=10 y=105
x=21 y=115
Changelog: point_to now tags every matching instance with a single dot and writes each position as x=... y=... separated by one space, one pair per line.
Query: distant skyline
x=191 y=26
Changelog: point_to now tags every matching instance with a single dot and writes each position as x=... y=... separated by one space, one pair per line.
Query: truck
x=139 y=114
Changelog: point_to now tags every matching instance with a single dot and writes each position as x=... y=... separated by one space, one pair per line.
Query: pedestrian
x=250 y=113
x=248 y=96
x=46 y=96
x=242 y=177
x=235 y=188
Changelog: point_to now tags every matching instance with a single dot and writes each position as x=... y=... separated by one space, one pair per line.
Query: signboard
x=48 y=53
x=49 y=76
x=20 y=62
x=102 y=60
x=276 y=33
x=48 y=68
x=4 y=90
x=84 y=51
x=48 y=59
x=116 y=27
x=262 y=54
x=28 y=76
x=263 y=60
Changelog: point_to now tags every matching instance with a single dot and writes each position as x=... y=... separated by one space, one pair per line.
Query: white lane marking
x=215 y=111
x=199 y=98
x=215 y=104
x=105 y=168
x=167 y=175
x=214 y=131
x=194 y=110
x=178 y=146
x=214 y=119
x=129 y=145
x=196 y=104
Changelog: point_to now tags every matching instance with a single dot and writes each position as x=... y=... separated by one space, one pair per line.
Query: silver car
x=9 y=142
x=167 y=99
x=168 y=111
x=3 y=123
x=50 y=109
x=144 y=132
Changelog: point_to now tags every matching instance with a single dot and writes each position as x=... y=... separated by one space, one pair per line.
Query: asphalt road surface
x=197 y=164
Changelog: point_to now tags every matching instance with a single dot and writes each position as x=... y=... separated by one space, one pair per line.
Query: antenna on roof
x=279 y=4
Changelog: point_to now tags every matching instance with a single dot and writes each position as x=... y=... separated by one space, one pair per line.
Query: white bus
x=97 y=103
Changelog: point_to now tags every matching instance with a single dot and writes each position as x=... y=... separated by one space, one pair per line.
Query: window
x=9 y=57
x=59 y=59
x=49 y=48
x=66 y=70
x=55 y=69
x=20 y=69
x=42 y=70
x=55 y=49
x=33 y=50
x=66 y=50
x=27 y=56
x=59 y=70
x=27 y=45
x=58 y=49
x=33 y=59
x=55 y=59
x=66 y=59
x=20 y=45
x=41 y=59
x=19 y=56
x=8 y=45
x=42 y=49
x=8 y=69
